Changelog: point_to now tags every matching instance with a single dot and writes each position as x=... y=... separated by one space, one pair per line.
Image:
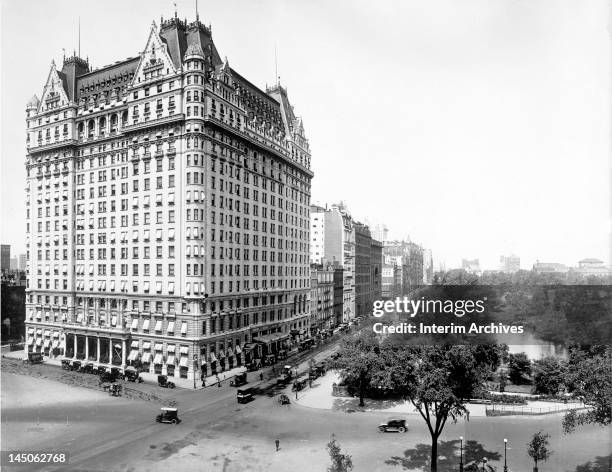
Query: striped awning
x=133 y=355
x=184 y=361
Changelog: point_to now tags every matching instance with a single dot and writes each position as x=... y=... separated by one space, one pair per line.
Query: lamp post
x=461 y=454
x=505 y=452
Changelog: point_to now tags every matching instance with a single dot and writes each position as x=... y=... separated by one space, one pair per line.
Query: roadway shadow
x=599 y=464
x=419 y=458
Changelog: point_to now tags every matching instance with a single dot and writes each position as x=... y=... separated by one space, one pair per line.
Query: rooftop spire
x=197 y=14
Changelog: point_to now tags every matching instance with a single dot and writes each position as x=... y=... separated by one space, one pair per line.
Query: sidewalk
x=320 y=397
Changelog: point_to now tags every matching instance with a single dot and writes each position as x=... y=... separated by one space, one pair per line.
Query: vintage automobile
x=108 y=377
x=132 y=374
x=393 y=424
x=76 y=365
x=66 y=364
x=300 y=383
x=87 y=368
x=244 y=395
x=239 y=379
x=114 y=390
x=270 y=359
x=33 y=358
x=282 y=354
x=168 y=415
x=283 y=399
x=162 y=381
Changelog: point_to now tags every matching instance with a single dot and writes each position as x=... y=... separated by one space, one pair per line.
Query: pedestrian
x=277 y=442
x=261 y=376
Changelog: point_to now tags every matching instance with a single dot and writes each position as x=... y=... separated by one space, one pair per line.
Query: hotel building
x=167 y=211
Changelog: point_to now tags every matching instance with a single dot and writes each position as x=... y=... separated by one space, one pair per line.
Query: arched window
x=81 y=130
x=90 y=129
x=113 y=123
x=102 y=126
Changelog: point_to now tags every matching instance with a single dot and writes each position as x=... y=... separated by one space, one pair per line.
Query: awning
x=146 y=358
x=171 y=348
x=238 y=350
x=158 y=325
x=30 y=341
x=171 y=360
x=159 y=347
x=55 y=344
x=184 y=362
x=270 y=338
x=146 y=345
x=221 y=354
x=135 y=324
x=39 y=331
x=39 y=342
x=145 y=325
x=184 y=350
x=133 y=354
x=31 y=330
x=171 y=327
x=46 y=343
x=183 y=328
x=47 y=332
x=134 y=344
x=158 y=359
x=79 y=317
x=212 y=357
x=56 y=334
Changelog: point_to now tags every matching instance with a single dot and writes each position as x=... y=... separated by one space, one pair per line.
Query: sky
x=475 y=128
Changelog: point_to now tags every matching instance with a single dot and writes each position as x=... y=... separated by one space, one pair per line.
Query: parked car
x=283 y=399
x=239 y=379
x=66 y=364
x=393 y=424
x=132 y=374
x=76 y=365
x=33 y=358
x=87 y=368
x=114 y=390
x=108 y=377
x=168 y=415
x=162 y=381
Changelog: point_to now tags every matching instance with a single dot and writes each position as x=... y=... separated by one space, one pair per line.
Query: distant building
x=471 y=265
x=410 y=257
x=550 y=268
x=509 y=264
x=335 y=243
x=380 y=233
x=14 y=264
x=5 y=257
x=376 y=257
x=13 y=312
x=363 y=241
x=592 y=267
x=321 y=298
x=22 y=262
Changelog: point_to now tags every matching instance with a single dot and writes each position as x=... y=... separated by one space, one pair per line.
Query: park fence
x=512 y=410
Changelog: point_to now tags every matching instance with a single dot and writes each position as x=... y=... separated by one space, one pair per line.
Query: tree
x=589 y=375
x=438 y=381
x=520 y=366
x=340 y=462
x=549 y=375
x=537 y=448
x=358 y=362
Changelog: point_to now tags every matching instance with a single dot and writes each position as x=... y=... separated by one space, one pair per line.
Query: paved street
x=119 y=434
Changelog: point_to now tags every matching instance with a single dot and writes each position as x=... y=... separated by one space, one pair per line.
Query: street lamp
x=505 y=451
x=461 y=456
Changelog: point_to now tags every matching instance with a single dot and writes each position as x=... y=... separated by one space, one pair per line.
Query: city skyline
x=547 y=97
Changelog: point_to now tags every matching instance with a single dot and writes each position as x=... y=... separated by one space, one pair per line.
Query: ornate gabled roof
x=33 y=102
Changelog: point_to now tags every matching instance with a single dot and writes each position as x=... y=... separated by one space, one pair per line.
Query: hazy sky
x=476 y=128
